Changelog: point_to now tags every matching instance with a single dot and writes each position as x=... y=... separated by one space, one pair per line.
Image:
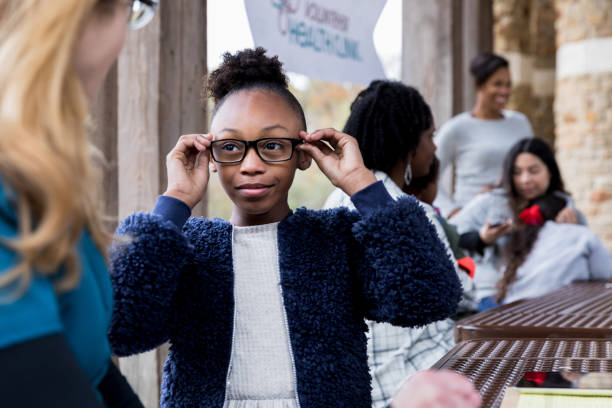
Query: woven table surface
x=495 y=364
x=579 y=310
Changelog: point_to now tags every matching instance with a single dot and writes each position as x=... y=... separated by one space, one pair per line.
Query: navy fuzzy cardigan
x=337 y=267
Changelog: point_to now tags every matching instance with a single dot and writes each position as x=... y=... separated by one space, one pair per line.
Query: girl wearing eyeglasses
x=267 y=310
x=55 y=293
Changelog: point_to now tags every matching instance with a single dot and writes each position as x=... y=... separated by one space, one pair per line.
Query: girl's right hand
x=187 y=166
x=489 y=234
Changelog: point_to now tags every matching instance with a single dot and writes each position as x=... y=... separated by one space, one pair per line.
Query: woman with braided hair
x=394 y=127
x=541 y=255
x=499 y=229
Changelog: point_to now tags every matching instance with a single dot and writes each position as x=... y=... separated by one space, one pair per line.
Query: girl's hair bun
x=243 y=70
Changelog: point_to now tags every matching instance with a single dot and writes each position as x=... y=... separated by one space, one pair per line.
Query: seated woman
x=394 y=128
x=541 y=255
x=530 y=172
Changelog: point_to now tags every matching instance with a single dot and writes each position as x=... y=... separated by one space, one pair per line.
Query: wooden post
x=476 y=37
x=182 y=70
x=139 y=164
x=427 y=53
x=440 y=38
x=104 y=137
x=151 y=97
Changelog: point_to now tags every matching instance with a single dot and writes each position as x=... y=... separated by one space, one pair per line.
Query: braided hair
x=387 y=119
x=250 y=69
x=521 y=240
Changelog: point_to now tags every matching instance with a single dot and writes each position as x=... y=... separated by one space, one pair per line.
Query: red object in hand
x=532 y=215
x=537 y=377
x=468 y=265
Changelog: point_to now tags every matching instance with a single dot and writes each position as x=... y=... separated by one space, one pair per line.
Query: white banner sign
x=324 y=39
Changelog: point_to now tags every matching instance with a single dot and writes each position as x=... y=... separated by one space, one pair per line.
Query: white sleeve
x=474 y=215
x=600 y=264
x=446 y=152
x=338 y=198
x=528 y=126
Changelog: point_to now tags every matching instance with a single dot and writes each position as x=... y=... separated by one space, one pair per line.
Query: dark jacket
x=337 y=267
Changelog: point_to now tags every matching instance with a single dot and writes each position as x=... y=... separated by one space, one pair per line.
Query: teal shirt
x=82 y=314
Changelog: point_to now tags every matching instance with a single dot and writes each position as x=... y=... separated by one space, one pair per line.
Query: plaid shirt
x=395 y=353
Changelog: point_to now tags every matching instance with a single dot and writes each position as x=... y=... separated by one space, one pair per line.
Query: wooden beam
x=427 y=57
x=182 y=69
x=150 y=97
x=104 y=138
x=139 y=164
x=476 y=37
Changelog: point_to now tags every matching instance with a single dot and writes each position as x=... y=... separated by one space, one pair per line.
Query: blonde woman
x=55 y=293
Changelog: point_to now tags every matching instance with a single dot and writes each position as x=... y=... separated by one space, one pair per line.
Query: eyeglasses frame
x=253 y=143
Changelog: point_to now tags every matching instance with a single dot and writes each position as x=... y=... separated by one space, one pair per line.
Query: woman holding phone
x=530 y=172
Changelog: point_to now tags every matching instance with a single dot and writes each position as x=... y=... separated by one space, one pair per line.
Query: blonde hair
x=44 y=148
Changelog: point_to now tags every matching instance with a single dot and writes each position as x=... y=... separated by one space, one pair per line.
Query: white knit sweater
x=261 y=370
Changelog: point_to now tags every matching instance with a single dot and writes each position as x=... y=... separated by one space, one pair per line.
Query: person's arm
x=43 y=372
x=406 y=276
x=477 y=241
x=570 y=214
x=37 y=367
x=115 y=390
x=446 y=152
x=437 y=388
x=472 y=242
x=145 y=271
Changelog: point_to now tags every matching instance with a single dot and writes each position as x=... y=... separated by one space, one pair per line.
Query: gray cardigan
x=562 y=254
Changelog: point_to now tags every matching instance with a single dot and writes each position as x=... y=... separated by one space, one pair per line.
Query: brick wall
x=583 y=107
x=524 y=32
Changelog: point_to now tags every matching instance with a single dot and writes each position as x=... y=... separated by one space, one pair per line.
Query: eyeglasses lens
x=142 y=13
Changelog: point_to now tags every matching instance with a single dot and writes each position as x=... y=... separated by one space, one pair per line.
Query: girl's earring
x=212 y=168
x=408 y=174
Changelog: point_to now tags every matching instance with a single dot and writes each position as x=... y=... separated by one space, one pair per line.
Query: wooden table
x=582 y=310
x=495 y=364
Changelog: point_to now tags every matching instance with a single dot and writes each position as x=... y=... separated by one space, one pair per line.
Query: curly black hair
x=387 y=119
x=522 y=239
x=246 y=70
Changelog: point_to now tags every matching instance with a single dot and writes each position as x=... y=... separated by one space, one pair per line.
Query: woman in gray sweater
x=474 y=143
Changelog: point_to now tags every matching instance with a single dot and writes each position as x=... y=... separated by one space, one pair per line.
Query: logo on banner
x=325 y=39
x=326 y=36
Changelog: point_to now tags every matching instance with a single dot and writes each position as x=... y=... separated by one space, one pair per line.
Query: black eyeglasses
x=141 y=13
x=271 y=149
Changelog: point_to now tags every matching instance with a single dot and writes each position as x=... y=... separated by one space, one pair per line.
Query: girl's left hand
x=342 y=163
x=567 y=216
